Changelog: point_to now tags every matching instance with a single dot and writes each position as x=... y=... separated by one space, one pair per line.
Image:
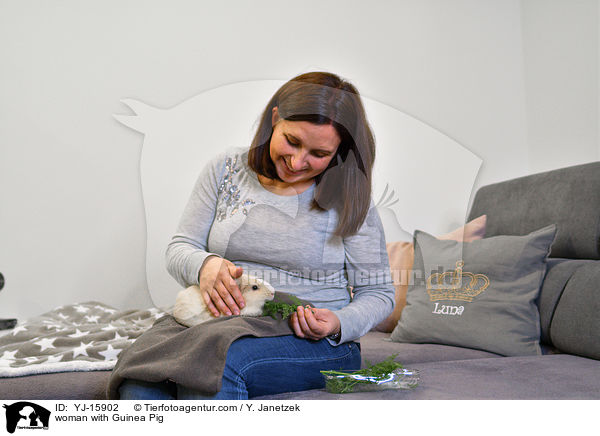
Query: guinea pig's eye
x=254 y=287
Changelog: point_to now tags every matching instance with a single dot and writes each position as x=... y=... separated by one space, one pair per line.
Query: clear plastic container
x=341 y=382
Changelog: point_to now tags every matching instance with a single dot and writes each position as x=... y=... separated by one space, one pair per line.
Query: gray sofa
x=569 y=304
x=569 y=307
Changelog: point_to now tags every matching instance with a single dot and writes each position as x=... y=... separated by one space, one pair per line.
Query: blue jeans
x=260 y=366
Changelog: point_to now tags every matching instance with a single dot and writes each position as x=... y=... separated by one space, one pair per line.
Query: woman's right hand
x=219 y=288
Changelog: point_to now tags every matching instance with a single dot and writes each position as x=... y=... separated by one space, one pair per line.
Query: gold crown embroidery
x=439 y=289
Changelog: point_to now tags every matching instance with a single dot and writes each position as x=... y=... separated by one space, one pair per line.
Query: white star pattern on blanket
x=19 y=329
x=54 y=359
x=82 y=349
x=46 y=343
x=79 y=337
x=9 y=355
x=77 y=334
x=121 y=338
x=110 y=353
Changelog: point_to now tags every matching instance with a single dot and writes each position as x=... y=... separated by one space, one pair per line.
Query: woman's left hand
x=312 y=323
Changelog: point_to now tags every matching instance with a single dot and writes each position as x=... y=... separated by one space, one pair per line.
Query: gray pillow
x=478 y=294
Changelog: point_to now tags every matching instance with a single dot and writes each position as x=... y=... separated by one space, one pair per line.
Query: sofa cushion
x=79 y=385
x=483 y=295
x=567 y=197
x=552 y=377
x=575 y=326
x=558 y=273
x=377 y=346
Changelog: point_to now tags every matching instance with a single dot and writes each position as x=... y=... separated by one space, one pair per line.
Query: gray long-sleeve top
x=277 y=238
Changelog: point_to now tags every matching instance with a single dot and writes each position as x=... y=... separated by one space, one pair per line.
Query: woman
x=294 y=209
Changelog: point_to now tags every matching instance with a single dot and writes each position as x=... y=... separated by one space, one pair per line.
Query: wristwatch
x=335 y=337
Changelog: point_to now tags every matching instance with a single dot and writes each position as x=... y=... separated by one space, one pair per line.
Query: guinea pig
x=190 y=308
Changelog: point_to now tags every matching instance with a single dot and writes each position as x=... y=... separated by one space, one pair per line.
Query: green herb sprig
x=379 y=371
x=272 y=308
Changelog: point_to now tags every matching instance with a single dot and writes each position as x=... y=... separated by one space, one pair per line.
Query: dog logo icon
x=26 y=415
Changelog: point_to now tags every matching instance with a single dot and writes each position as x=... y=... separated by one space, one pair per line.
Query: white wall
x=71 y=219
x=561 y=43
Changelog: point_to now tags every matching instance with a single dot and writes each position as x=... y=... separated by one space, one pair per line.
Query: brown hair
x=325 y=98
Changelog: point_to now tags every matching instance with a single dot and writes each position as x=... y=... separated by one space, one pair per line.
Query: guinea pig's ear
x=242 y=281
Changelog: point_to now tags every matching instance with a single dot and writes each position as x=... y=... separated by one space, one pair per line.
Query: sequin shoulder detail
x=230 y=202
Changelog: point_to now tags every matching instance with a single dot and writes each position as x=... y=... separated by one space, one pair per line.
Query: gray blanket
x=193 y=357
x=77 y=337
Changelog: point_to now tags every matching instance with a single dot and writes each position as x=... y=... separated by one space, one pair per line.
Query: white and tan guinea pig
x=190 y=308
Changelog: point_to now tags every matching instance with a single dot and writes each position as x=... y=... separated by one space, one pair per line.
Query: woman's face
x=301 y=150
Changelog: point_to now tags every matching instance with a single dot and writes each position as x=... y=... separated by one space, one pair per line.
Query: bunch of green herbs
x=272 y=308
x=341 y=382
